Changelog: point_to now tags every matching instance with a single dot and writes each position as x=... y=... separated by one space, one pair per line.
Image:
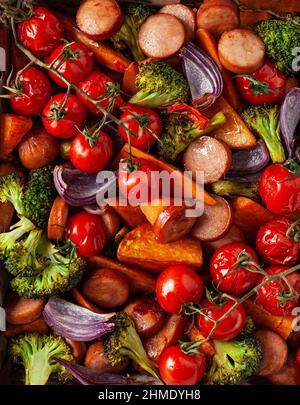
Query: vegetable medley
x=105 y=96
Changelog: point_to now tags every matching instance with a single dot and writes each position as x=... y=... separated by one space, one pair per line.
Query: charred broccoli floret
x=248 y=329
x=36 y=354
x=11 y=190
x=159 y=85
x=229 y=188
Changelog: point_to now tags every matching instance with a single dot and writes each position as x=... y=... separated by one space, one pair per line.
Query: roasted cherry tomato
x=275 y=296
x=75 y=63
x=178 y=368
x=233 y=267
x=87 y=232
x=101 y=88
x=265 y=86
x=63 y=121
x=35 y=91
x=277 y=241
x=91 y=154
x=298 y=356
x=279 y=188
x=178 y=285
x=229 y=327
x=143 y=122
x=41 y=33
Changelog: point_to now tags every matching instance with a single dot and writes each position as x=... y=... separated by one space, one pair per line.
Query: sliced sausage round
x=208 y=155
x=185 y=15
x=147 y=315
x=95 y=359
x=99 y=19
x=106 y=288
x=234 y=234
x=78 y=349
x=288 y=375
x=241 y=51
x=275 y=352
x=161 y=36
x=20 y=311
x=214 y=222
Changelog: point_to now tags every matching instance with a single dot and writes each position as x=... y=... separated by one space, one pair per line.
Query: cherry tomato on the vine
x=229 y=327
x=87 y=232
x=35 y=92
x=41 y=33
x=75 y=63
x=64 y=121
x=178 y=285
x=141 y=121
x=234 y=268
x=178 y=368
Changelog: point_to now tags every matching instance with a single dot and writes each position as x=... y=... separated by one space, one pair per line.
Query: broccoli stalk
x=125 y=342
x=180 y=132
x=36 y=353
x=159 y=85
x=229 y=188
x=234 y=361
x=11 y=190
x=264 y=120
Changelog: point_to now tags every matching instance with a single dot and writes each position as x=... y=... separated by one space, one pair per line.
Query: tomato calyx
x=66 y=54
x=58 y=111
x=91 y=135
x=244 y=261
x=18 y=14
x=191 y=113
x=130 y=165
x=292 y=167
x=191 y=348
x=113 y=91
x=293 y=231
x=258 y=87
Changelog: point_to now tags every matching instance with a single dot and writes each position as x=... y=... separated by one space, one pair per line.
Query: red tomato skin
x=267 y=295
x=87 y=232
x=66 y=127
x=227 y=329
x=268 y=74
x=41 y=33
x=91 y=159
x=36 y=92
x=178 y=368
x=73 y=70
x=274 y=246
x=95 y=86
x=223 y=262
x=281 y=197
x=298 y=356
x=178 y=285
x=144 y=139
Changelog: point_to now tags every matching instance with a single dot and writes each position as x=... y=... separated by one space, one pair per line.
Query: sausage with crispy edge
x=78 y=349
x=234 y=234
x=20 y=311
x=185 y=15
x=95 y=359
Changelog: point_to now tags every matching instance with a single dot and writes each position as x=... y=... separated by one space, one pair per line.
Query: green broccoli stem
x=151 y=100
x=141 y=359
x=37 y=368
x=229 y=188
x=271 y=137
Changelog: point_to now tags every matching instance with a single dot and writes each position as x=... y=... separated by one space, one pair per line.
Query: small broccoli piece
x=125 y=342
x=36 y=353
x=229 y=188
x=234 y=361
x=281 y=37
x=11 y=190
x=39 y=196
x=264 y=120
x=180 y=132
x=159 y=85
x=127 y=36
x=248 y=329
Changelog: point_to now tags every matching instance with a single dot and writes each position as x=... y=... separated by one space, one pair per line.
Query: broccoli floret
x=264 y=120
x=36 y=353
x=180 y=132
x=11 y=190
x=248 y=329
x=125 y=342
x=39 y=196
x=127 y=36
x=281 y=37
x=159 y=85
x=234 y=361
x=229 y=188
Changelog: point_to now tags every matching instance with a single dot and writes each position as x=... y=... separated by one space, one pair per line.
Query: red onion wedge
x=74 y=322
x=289 y=118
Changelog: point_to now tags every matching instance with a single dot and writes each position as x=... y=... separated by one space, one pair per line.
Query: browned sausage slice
x=161 y=36
x=20 y=311
x=215 y=221
x=38 y=326
x=217 y=16
x=147 y=315
x=241 y=51
x=78 y=349
x=288 y=375
x=185 y=15
x=106 y=288
x=275 y=352
x=99 y=19
x=96 y=360
x=208 y=155
x=234 y=234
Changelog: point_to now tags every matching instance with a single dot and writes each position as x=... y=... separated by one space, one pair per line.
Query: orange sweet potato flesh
x=133 y=216
x=279 y=6
x=38 y=326
x=234 y=132
x=128 y=85
x=141 y=248
x=207 y=348
x=250 y=17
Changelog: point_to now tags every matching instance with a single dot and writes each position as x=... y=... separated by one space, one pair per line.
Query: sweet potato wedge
x=84 y=302
x=141 y=248
x=133 y=216
x=195 y=335
x=128 y=84
x=39 y=326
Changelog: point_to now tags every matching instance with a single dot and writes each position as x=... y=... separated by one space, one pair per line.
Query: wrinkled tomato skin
x=229 y=327
x=41 y=33
x=224 y=261
x=178 y=368
x=274 y=246
x=36 y=92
